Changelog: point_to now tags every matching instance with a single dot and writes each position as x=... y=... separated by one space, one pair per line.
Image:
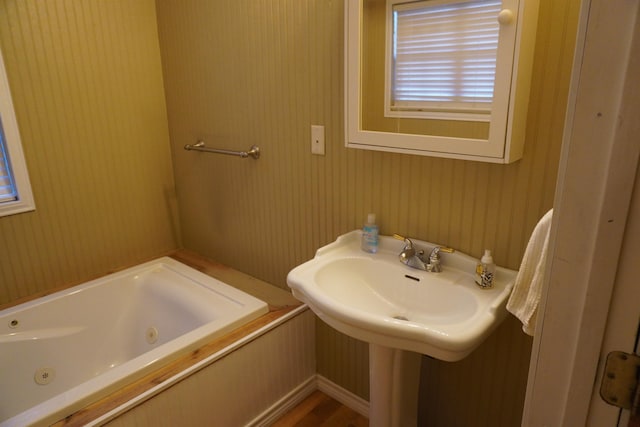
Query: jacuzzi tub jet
x=44 y=376
x=152 y=335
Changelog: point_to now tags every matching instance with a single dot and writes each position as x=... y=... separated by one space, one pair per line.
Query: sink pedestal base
x=394 y=379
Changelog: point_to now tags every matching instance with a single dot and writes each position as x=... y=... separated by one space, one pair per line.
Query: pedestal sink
x=401 y=312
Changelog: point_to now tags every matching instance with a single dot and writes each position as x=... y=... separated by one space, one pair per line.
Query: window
x=441 y=78
x=15 y=189
x=8 y=191
x=443 y=58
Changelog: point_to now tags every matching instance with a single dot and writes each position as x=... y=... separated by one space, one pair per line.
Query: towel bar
x=254 y=151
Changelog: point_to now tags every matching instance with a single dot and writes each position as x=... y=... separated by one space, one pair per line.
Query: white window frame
x=13 y=150
x=507 y=124
x=444 y=110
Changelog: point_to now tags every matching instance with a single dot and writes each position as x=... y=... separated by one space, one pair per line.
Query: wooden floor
x=321 y=410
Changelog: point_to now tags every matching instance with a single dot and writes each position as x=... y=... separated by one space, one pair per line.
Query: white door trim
x=597 y=170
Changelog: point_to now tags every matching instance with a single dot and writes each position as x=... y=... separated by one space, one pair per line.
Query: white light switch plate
x=317 y=140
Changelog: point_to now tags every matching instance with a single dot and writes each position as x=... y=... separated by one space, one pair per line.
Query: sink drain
x=400 y=318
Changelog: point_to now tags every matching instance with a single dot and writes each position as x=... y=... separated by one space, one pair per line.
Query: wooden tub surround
x=280 y=302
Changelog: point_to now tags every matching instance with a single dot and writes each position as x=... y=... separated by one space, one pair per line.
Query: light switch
x=317 y=140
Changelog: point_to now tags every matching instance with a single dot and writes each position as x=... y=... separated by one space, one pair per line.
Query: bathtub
x=63 y=351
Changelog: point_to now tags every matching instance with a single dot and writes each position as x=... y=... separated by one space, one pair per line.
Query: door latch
x=620 y=381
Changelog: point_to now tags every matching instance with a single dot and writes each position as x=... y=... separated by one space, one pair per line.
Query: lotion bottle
x=370 y=235
x=485 y=270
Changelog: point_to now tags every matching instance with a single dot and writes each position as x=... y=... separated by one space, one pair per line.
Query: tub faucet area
x=416 y=259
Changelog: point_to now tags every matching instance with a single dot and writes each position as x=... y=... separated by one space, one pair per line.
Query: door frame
x=596 y=176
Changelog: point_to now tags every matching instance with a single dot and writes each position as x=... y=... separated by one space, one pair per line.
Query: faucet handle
x=408 y=244
x=435 y=253
x=444 y=249
x=407 y=252
x=434 y=258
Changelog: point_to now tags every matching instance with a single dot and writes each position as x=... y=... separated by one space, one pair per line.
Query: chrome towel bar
x=254 y=151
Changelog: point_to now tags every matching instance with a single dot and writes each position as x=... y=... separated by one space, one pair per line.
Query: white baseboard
x=301 y=392
x=285 y=404
x=343 y=396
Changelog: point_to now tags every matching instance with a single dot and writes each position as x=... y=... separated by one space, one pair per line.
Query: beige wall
x=242 y=72
x=87 y=88
x=260 y=72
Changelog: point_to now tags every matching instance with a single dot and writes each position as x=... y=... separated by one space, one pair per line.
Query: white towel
x=523 y=302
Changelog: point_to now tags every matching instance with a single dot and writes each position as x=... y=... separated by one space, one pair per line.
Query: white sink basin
x=377 y=299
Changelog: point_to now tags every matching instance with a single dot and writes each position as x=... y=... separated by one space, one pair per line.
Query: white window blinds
x=444 y=55
x=7 y=187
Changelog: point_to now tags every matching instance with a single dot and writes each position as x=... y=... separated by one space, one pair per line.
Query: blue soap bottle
x=370 y=235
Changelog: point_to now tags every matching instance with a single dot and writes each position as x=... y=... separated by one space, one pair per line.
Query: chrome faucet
x=409 y=256
x=414 y=259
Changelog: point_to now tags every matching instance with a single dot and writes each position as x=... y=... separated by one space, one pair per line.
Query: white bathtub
x=62 y=351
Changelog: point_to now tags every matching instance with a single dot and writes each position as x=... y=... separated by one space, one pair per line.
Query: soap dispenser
x=370 y=235
x=485 y=270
